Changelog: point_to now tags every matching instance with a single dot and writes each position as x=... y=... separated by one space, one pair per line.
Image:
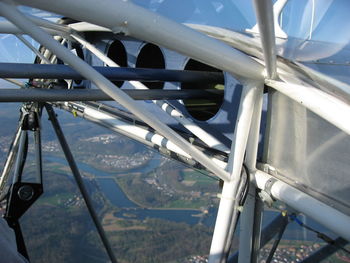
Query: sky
x=300 y=19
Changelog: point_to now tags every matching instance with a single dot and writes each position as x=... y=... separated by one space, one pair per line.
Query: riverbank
x=151 y=207
x=126 y=205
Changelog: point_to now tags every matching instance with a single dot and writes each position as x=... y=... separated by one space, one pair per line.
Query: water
x=129 y=209
x=114 y=194
x=148 y=167
x=183 y=216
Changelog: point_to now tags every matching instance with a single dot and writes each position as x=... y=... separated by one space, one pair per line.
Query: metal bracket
x=265 y=194
x=30 y=121
x=21 y=196
x=267 y=168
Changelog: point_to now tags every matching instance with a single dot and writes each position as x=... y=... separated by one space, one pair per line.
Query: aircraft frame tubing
x=338 y=222
x=80 y=182
x=130 y=8
x=10 y=160
x=191 y=126
x=32 y=48
x=251 y=215
x=326 y=106
x=9 y=28
x=13 y=15
x=130 y=19
x=56 y=71
x=132 y=134
x=125 y=17
x=53 y=95
x=264 y=14
x=252 y=91
x=138 y=133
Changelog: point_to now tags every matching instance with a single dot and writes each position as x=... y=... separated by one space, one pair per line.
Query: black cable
x=4 y=196
x=24 y=157
x=246 y=189
x=241 y=197
x=319 y=234
x=277 y=240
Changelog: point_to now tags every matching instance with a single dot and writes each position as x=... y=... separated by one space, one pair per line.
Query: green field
x=199 y=178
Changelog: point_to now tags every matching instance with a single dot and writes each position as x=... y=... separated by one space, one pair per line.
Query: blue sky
x=331 y=20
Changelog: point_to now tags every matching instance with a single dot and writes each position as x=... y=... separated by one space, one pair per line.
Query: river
x=129 y=209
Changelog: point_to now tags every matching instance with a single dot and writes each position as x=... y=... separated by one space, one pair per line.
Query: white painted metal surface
x=30 y=46
x=325 y=105
x=329 y=217
x=83 y=68
x=264 y=14
x=142 y=134
x=188 y=123
x=248 y=220
x=125 y=17
x=228 y=197
x=331 y=103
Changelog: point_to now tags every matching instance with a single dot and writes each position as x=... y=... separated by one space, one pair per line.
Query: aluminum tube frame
x=250 y=160
x=38 y=155
x=218 y=157
x=277 y=240
x=58 y=71
x=189 y=124
x=7 y=27
x=266 y=235
x=64 y=29
x=326 y=83
x=110 y=126
x=51 y=95
x=17 y=173
x=249 y=239
x=130 y=19
x=236 y=215
x=264 y=15
x=256 y=234
x=254 y=133
x=98 y=53
x=229 y=191
x=161 y=150
x=10 y=160
x=88 y=27
x=137 y=132
x=285 y=68
x=246 y=228
x=339 y=223
x=326 y=251
x=79 y=181
x=15 y=82
x=250 y=228
x=30 y=46
x=12 y=14
x=324 y=105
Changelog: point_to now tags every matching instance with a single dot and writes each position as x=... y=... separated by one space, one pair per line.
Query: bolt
x=25 y=193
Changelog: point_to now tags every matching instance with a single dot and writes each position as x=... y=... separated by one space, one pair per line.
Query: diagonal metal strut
x=73 y=166
x=11 y=13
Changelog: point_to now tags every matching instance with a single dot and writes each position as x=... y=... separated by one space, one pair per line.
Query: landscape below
x=152 y=208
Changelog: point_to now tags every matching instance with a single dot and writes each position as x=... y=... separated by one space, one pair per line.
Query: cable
x=277 y=240
x=241 y=196
x=320 y=235
x=244 y=194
